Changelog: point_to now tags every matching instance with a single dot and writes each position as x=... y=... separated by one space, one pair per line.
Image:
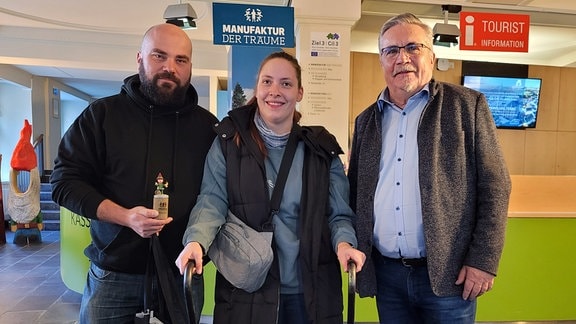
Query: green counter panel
x=537 y=276
x=536 y=280
x=74 y=238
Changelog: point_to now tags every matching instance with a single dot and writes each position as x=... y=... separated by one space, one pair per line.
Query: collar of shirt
x=384 y=98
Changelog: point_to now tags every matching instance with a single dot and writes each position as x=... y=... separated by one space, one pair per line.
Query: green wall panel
x=537 y=276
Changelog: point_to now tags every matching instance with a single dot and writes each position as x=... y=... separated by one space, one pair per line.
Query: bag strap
x=169 y=288
x=285 y=165
x=148 y=279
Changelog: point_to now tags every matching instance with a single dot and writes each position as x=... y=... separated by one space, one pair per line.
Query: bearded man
x=107 y=166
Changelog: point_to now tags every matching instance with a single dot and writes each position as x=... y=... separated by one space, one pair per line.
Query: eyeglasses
x=412 y=49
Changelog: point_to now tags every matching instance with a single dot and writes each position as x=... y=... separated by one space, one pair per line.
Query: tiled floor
x=31 y=289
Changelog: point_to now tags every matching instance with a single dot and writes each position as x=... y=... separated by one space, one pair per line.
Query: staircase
x=50 y=210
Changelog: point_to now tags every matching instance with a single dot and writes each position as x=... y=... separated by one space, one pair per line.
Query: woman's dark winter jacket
x=248 y=198
x=115 y=150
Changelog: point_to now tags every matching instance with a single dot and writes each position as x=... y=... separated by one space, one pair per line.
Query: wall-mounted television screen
x=513 y=101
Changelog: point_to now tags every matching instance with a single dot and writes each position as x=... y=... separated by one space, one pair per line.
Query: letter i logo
x=469 y=31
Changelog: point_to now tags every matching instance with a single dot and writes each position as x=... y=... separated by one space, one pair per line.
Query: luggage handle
x=351 y=290
x=193 y=289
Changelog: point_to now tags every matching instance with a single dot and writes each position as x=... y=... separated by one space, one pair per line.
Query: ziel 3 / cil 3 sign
x=483 y=31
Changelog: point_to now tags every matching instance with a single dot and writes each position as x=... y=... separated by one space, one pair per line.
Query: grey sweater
x=464 y=184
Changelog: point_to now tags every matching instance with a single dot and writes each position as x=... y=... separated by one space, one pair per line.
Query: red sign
x=483 y=31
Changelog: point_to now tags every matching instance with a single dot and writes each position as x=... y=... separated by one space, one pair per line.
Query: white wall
x=204 y=102
x=15 y=106
x=70 y=109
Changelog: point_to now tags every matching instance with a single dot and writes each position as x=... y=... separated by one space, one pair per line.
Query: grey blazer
x=464 y=184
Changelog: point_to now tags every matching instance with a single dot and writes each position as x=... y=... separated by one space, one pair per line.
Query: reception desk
x=537 y=275
x=543 y=197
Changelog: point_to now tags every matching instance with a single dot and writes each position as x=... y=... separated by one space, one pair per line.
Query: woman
x=313 y=230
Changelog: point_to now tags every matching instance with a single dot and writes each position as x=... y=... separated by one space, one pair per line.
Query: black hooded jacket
x=114 y=150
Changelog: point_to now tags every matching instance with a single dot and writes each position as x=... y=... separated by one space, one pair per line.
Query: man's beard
x=162 y=95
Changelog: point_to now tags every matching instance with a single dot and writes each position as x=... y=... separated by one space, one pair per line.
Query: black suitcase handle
x=193 y=293
x=351 y=290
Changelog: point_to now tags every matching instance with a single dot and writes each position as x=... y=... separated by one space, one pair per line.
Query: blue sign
x=253 y=25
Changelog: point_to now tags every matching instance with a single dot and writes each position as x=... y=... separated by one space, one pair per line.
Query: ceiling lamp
x=181 y=15
x=446 y=34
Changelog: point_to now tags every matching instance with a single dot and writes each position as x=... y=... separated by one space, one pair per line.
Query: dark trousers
x=405 y=296
x=292 y=309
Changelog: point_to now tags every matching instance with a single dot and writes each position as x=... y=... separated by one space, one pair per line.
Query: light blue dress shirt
x=398 y=230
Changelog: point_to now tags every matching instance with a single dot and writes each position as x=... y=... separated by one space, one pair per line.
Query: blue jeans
x=405 y=296
x=292 y=309
x=111 y=297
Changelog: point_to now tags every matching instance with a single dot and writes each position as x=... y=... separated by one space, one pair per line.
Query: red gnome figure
x=24 y=157
x=24 y=207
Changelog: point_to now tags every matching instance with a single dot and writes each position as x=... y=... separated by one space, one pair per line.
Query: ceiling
x=91 y=46
x=552 y=38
